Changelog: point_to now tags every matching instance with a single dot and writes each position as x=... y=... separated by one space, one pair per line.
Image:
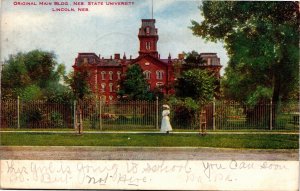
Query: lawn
x=253 y=141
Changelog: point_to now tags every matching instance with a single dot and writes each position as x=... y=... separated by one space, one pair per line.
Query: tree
x=79 y=82
x=261 y=39
x=134 y=85
x=195 y=88
x=33 y=75
x=193 y=59
x=196 y=84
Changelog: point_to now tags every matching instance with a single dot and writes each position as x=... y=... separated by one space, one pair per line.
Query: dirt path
x=142 y=153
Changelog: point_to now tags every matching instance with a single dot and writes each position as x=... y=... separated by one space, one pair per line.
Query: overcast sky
x=103 y=29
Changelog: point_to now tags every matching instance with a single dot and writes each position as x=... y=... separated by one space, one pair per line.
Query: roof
x=148 y=23
x=162 y=61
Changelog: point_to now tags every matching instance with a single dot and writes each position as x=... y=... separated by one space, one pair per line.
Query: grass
x=251 y=141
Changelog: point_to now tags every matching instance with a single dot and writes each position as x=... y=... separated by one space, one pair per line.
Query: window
x=119 y=75
x=147 y=30
x=147 y=75
x=159 y=75
x=110 y=87
x=103 y=85
x=103 y=75
x=159 y=84
x=148 y=45
x=110 y=75
x=111 y=98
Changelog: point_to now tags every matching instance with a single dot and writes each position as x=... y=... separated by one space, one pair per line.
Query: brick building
x=106 y=72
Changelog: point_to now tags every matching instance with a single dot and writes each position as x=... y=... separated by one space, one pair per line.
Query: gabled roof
x=148 y=56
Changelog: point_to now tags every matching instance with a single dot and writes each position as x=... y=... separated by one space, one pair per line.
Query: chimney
x=99 y=55
x=159 y=56
x=111 y=57
x=130 y=57
x=117 y=56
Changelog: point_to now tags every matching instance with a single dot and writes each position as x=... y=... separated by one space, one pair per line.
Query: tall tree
x=134 y=85
x=32 y=75
x=261 y=39
x=197 y=84
x=79 y=82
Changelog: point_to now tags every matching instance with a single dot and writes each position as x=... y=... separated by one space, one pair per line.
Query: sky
x=103 y=29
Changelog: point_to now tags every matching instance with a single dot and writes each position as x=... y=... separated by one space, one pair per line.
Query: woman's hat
x=166 y=106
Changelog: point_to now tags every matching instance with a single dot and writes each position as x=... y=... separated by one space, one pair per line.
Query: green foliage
x=79 y=83
x=183 y=112
x=31 y=92
x=193 y=59
x=56 y=119
x=33 y=75
x=261 y=39
x=196 y=84
x=134 y=86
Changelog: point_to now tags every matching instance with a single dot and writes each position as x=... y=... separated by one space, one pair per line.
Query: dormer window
x=147 y=30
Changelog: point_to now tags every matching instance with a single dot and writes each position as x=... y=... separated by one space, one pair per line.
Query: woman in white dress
x=165 y=122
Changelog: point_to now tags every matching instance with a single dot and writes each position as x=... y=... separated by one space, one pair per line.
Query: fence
x=143 y=115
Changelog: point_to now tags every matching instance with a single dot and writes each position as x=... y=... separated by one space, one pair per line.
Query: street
x=142 y=153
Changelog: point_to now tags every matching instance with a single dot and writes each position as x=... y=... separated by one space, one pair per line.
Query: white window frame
x=103 y=75
x=110 y=87
x=103 y=86
x=148 y=45
x=111 y=75
x=159 y=84
x=147 y=74
x=119 y=75
x=159 y=74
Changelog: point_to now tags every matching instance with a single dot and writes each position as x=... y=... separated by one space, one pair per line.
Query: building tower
x=148 y=38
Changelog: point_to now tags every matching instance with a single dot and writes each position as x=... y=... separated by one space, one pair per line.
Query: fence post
x=156 y=112
x=214 y=116
x=271 y=115
x=74 y=114
x=100 y=114
x=18 y=112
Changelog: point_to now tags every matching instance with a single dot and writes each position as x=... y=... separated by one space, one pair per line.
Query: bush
x=56 y=119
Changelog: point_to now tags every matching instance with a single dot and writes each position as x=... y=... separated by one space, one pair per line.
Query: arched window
x=159 y=74
x=103 y=85
x=159 y=84
x=103 y=75
x=110 y=87
x=119 y=75
x=148 y=44
x=147 y=74
x=148 y=30
x=110 y=75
